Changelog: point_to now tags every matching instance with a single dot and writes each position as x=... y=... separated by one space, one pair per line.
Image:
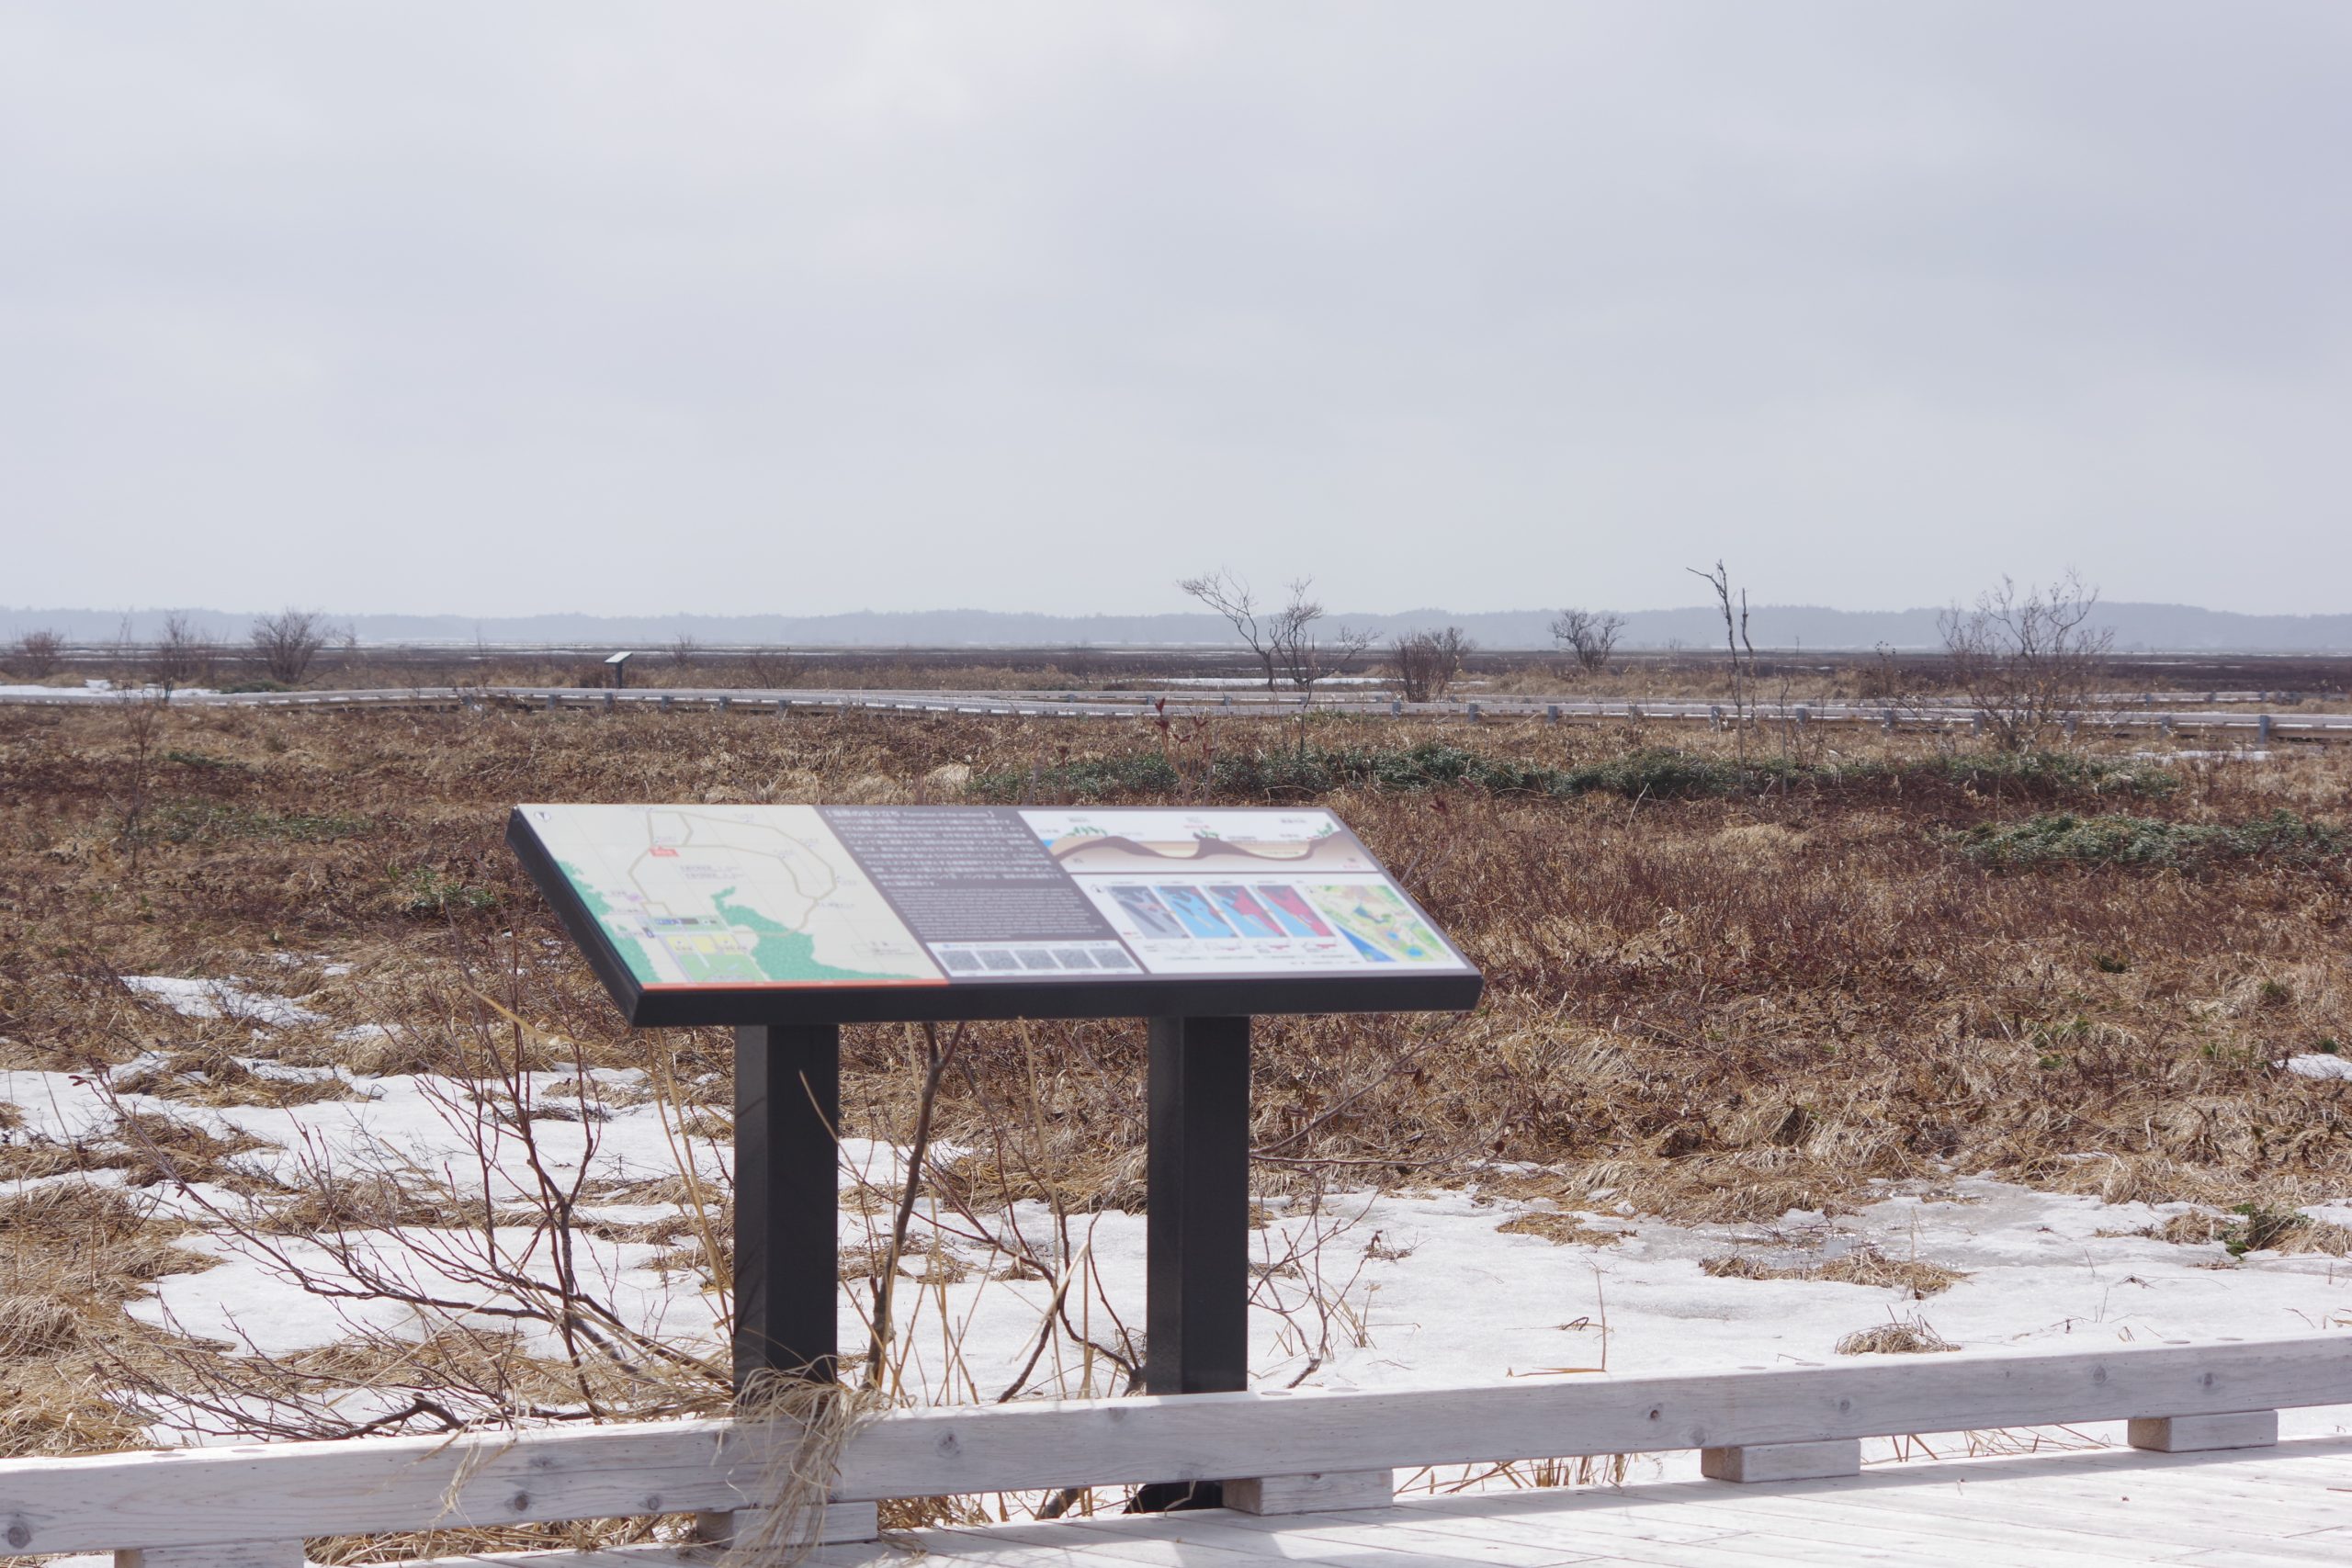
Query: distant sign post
x=789 y=921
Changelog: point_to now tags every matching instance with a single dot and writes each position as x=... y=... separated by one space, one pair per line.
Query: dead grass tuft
x=36 y=1325
x=1562 y=1230
x=1863 y=1266
x=1899 y=1337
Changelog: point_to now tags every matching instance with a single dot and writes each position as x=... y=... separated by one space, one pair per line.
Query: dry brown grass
x=1916 y=1277
x=1562 y=1230
x=1910 y=1335
x=1715 y=1009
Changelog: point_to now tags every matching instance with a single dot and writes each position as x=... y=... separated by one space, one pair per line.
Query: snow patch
x=2319 y=1066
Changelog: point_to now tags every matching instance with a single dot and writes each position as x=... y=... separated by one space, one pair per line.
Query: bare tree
x=1735 y=634
x=684 y=649
x=1428 y=662
x=287 y=642
x=1229 y=596
x=38 y=654
x=1589 y=635
x=1303 y=652
x=2025 y=661
x=183 y=655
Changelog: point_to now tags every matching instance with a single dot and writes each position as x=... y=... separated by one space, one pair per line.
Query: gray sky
x=735 y=308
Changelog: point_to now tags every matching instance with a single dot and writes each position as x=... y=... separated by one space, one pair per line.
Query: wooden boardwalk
x=2283 y=1505
x=2254 y=725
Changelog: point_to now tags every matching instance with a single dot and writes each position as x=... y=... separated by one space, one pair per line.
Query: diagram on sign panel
x=716 y=897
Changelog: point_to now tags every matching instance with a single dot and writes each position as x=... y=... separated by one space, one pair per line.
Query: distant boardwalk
x=2228 y=719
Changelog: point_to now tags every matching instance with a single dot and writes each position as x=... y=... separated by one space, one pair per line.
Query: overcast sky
x=509 y=308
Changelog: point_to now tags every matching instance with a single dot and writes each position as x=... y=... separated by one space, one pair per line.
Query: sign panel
x=829 y=913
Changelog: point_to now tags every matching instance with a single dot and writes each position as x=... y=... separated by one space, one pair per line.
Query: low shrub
x=2065 y=838
x=2056 y=773
x=1657 y=772
x=190 y=821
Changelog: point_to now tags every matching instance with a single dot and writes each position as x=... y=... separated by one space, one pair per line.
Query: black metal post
x=787 y=1203
x=1196 y=1243
x=1196 y=1224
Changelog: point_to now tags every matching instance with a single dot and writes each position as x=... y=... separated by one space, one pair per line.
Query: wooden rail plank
x=197 y=1496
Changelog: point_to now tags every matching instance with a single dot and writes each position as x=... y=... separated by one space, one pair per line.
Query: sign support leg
x=1196 y=1294
x=788 y=1202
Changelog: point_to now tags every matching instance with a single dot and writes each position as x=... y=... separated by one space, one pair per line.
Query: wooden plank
x=1782 y=1461
x=197 y=1497
x=1209 y=1437
x=1829 y=1517
x=1389 y=1530
x=189 y=1497
x=1724 y=1520
x=842 y=1523
x=1319 y=1493
x=223 y=1554
x=1192 y=1542
x=2201 y=1434
x=2124 y=1509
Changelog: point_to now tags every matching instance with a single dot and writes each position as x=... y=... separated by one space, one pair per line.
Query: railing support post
x=1783 y=1462
x=2198 y=1434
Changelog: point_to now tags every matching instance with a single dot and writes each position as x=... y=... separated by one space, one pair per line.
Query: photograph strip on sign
x=1241 y=892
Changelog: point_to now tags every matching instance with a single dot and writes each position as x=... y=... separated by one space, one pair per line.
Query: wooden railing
x=252 y=1507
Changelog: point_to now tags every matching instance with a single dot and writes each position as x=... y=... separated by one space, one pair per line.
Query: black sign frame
x=1108 y=996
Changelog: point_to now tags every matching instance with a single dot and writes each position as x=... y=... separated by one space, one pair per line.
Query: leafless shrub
x=1428 y=662
x=775 y=669
x=684 y=649
x=1589 y=636
x=39 y=655
x=134 y=782
x=183 y=656
x=287 y=642
x=2026 y=661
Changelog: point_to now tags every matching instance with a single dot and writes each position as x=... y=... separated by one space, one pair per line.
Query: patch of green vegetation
x=211 y=763
x=2258 y=1229
x=2053 y=772
x=2065 y=839
x=1657 y=772
x=189 y=821
x=424 y=891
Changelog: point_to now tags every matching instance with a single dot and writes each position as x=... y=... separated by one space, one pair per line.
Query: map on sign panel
x=730 y=895
x=722 y=896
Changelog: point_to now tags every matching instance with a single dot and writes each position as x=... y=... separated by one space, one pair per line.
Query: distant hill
x=2137 y=627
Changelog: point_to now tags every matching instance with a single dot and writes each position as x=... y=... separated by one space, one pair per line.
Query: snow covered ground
x=1380 y=1290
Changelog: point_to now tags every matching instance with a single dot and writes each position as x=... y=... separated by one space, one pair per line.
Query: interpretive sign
x=745 y=914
